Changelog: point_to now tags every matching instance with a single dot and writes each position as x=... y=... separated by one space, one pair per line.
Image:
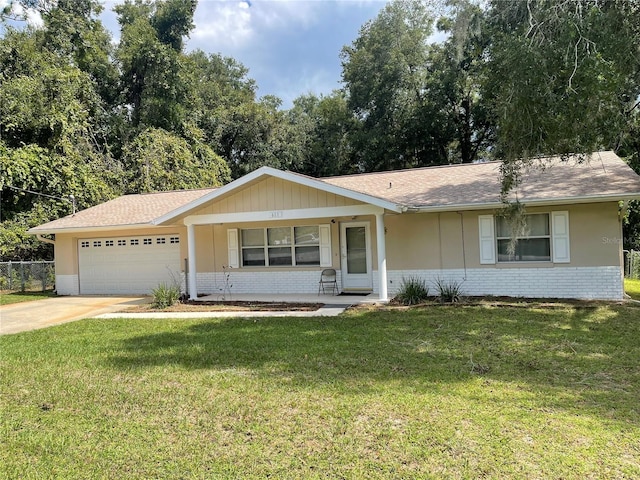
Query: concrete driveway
x=20 y=317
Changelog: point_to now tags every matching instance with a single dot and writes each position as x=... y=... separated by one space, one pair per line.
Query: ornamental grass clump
x=449 y=291
x=413 y=290
x=165 y=295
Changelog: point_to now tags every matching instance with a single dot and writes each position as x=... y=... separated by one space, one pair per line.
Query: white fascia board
x=532 y=203
x=276 y=215
x=273 y=172
x=109 y=228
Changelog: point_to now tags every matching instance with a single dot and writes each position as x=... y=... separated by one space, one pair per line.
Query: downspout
x=45 y=240
x=464 y=250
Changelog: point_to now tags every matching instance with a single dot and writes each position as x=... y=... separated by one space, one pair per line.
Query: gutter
x=134 y=226
x=533 y=203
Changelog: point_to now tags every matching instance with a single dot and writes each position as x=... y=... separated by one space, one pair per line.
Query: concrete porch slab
x=293 y=298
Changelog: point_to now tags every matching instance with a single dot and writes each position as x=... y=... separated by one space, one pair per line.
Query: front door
x=355 y=252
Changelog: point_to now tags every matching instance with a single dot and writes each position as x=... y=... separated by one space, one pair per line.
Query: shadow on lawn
x=577 y=358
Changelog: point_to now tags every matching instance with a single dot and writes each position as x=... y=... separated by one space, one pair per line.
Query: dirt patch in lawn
x=228 y=306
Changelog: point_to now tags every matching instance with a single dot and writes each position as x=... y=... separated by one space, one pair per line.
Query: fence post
x=9 y=269
x=22 y=285
x=43 y=274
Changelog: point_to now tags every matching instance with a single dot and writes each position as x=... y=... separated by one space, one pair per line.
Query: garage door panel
x=131 y=265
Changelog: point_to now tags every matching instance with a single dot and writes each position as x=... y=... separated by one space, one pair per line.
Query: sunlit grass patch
x=632 y=287
x=438 y=392
x=7 y=298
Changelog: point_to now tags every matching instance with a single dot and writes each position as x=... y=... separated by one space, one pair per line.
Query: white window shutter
x=325 y=245
x=487 y=239
x=560 y=235
x=233 y=248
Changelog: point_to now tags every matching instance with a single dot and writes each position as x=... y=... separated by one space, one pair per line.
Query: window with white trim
x=533 y=247
x=280 y=246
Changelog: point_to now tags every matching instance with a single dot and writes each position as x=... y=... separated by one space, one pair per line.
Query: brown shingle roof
x=605 y=176
x=127 y=210
x=479 y=184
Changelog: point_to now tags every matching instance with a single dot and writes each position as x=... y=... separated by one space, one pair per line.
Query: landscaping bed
x=229 y=306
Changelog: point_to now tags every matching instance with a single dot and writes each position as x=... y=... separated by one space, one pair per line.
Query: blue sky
x=291 y=47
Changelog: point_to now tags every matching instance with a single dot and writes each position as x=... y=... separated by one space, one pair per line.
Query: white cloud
x=236 y=24
x=31 y=15
x=223 y=24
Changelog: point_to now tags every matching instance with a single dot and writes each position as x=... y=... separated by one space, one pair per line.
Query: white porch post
x=191 y=252
x=382 y=257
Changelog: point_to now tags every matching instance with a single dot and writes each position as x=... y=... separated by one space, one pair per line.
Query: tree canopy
x=508 y=79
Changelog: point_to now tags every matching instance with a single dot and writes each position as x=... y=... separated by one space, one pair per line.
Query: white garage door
x=128 y=265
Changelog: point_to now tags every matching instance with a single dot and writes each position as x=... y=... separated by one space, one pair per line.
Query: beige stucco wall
x=211 y=242
x=435 y=240
x=413 y=241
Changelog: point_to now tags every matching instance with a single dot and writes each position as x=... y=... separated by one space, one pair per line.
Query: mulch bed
x=230 y=306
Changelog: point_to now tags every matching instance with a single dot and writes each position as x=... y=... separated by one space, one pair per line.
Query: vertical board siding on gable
x=275 y=194
x=286 y=194
x=269 y=193
x=295 y=196
x=262 y=188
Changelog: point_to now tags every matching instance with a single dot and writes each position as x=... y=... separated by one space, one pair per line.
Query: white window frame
x=549 y=236
x=236 y=249
x=559 y=234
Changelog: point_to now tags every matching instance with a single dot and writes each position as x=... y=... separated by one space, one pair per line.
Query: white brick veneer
x=67 y=285
x=602 y=283
x=271 y=281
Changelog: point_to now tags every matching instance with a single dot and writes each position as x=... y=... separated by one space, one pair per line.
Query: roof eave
x=532 y=202
x=102 y=228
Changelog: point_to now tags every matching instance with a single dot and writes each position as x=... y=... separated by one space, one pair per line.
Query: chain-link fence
x=27 y=276
x=632 y=264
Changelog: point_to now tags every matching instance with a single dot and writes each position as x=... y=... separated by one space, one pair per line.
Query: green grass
x=632 y=288
x=18 y=297
x=442 y=392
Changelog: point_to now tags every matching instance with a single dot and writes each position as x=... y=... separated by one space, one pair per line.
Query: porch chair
x=328 y=280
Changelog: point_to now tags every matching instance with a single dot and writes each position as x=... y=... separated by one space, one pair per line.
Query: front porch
x=352 y=244
x=273 y=232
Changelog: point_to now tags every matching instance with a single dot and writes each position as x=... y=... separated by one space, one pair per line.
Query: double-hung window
x=547 y=239
x=535 y=246
x=280 y=246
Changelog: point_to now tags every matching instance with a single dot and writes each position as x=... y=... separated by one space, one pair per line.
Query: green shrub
x=165 y=295
x=413 y=290
x=449 y=291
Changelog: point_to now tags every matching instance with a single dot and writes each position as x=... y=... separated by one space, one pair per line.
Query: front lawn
x=632 y=288
x=441 y=392
x=18 y=297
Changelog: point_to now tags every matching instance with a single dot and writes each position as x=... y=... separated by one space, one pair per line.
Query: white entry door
x=355 y=252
